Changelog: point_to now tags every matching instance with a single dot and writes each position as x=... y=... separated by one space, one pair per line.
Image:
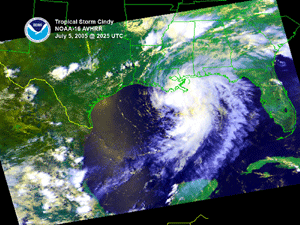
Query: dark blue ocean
x=263 y=144
x=122 y=153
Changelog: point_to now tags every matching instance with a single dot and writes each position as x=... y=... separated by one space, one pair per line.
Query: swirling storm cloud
x=145 y=140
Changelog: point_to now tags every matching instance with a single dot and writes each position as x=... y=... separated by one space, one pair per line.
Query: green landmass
x=284 y=162
x=273 y=98
x=196 y=190
x=76 y=95
x=68 y=103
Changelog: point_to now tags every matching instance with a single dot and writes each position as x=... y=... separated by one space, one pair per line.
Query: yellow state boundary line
x=65 y=109
x=43 y=80
x=169 y=223
x=89 y=52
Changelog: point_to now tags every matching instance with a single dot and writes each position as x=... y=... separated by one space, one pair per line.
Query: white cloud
x=152 y=39
x=184 y=29
x=29 y=93
x=2 y=42
x=55 y=124
x=84 y=201
x=48 y=194
x=202 y=27
x=60 y=156
x=10 y=72
x=21 y=192
x=69 y=140
x=73 y=67
x=285 y=51
x=50 y=198
x=44 y=178
x=83 y=209
x=276 y=81
x=122 y=67
x=271 y=10
x=137 y=64
x=278 y=37
x=59 y=73
x=128 y=64
x=78 y=160
x=181 y=30
x=59 y=183
x=62 y=72
x=108 y=74
x=32 y=140
x=77 y=177
x=226 y=25
x=90 y=64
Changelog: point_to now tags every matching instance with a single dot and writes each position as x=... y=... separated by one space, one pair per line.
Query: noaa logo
x=37 y=29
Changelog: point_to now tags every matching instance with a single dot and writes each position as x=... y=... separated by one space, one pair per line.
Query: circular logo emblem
x=37 y=29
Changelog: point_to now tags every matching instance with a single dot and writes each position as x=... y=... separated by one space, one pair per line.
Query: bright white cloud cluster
x=285 y=51
x=172 y=193
x=278 y=37
x=153 y=38
x=69 y=140
x=108 y=74
x=55 y=124
x=84 y=203
x=83 y=200
x=39 y=177
x=198 y=106
x=128 y=64
x=271 y=10
x=122 y=67
x=226 y=25
x=77 y=177
x=29 y=93
x=90 y=64
x=10 y=72
x=61 y=72
x=78 y=160
x=60 y=153
x=136 y=63
x=50 y=196
x=185 y=29
x=181 y=30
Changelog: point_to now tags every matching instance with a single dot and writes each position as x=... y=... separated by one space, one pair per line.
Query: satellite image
x=149 y=113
